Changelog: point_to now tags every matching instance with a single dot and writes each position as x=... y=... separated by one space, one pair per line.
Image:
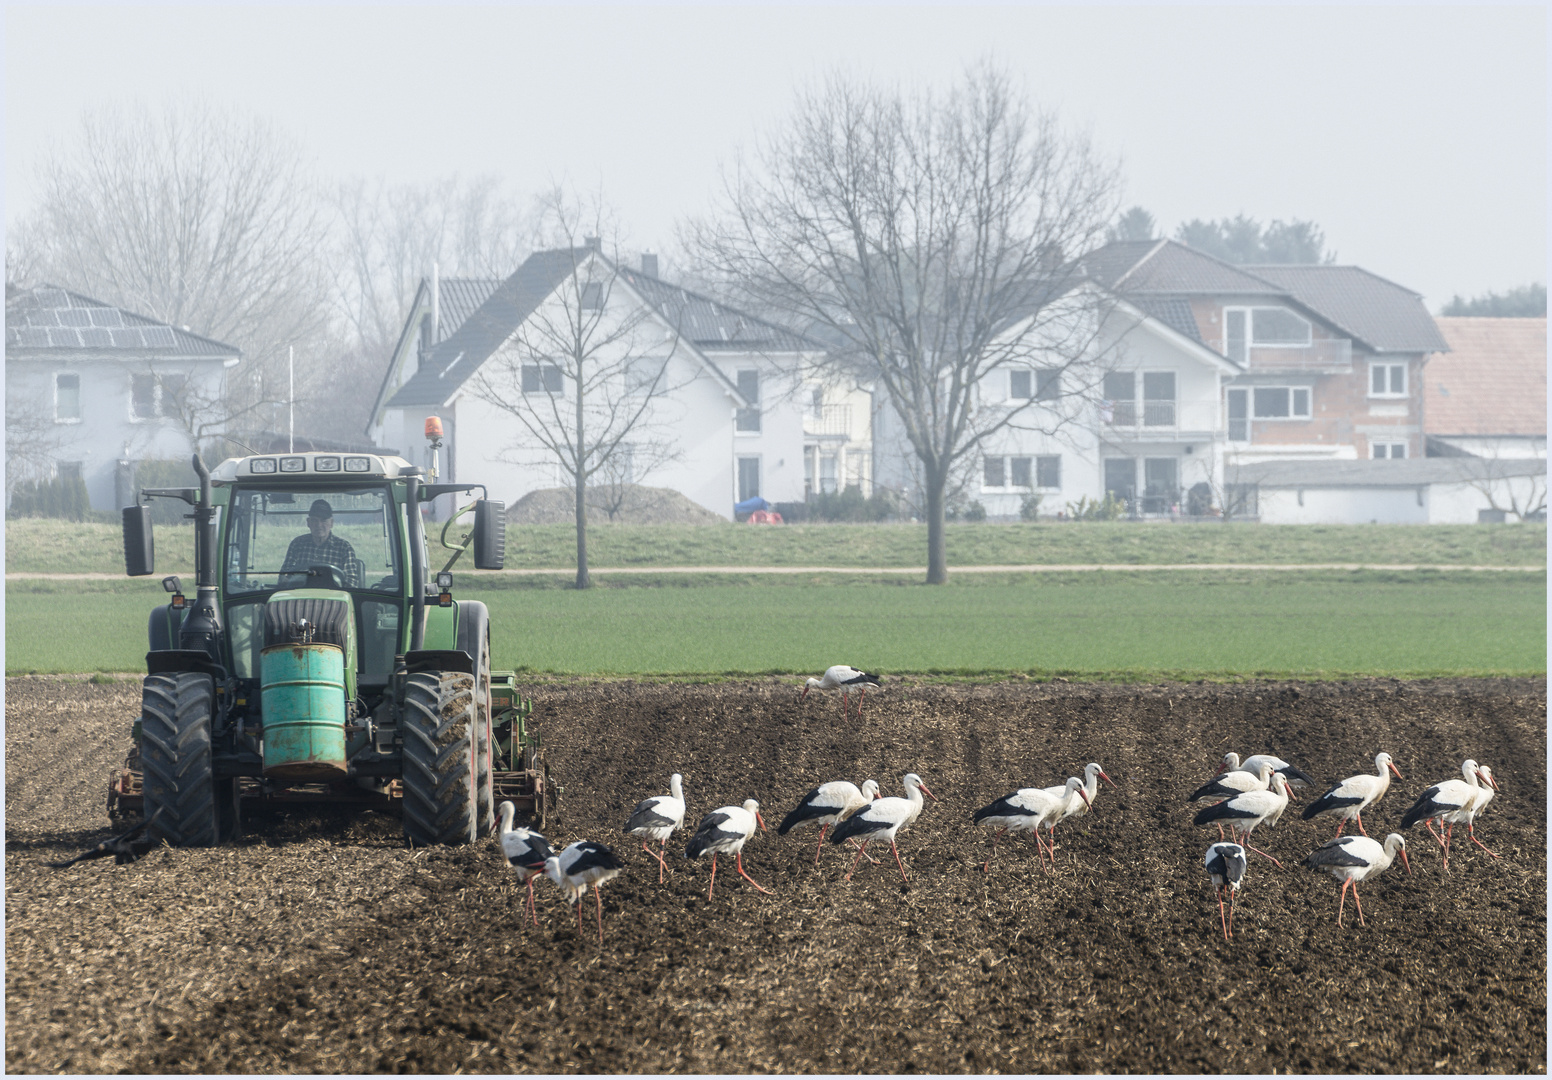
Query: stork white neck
x=507 y=812
x=676 y=785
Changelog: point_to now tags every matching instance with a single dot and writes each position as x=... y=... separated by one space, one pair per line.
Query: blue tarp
x=749 y=506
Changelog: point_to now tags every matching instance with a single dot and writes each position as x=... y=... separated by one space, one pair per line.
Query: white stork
x=828 y=804
x=843 y=678
x=1026 y=810
x=1226 y=785
x=525 y=851
x=1485 y=795
x=883 y=819
x=1297 y=777
x=582 y=864
x=1092 y=772
x=723 y=832
x=1244 y=812
x=1449 y=802
x=1349 y=798
x=1226 y=864
x=1355 y=859
x=656 y=819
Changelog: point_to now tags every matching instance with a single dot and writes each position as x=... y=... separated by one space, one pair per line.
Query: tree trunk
x=580 y=476
x=937 y=551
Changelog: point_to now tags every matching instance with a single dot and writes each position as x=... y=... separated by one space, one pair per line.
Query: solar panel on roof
x=107 y=316
x=159 y=336
x=127 y=339
x=33 y=336
x=97 y=338
x=63 y=337
x=74 y=317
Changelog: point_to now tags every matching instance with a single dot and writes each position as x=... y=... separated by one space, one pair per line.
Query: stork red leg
x=1428 y=824
x=898 y=863
x=662 y=866
x=1343 y=902
x=870 y=858
x=599 y=900
x=1340 y=825
x=1258 y=851
x=749 y=879
x=713 y=875
x=1472 y=829
x=531 y=910
x=579 y=915
x=1365 y=832
x=1222 y=919
x=822 y=830
x=857 y=860
x=1232 y=896
x=1359 y=902
x=861 y=696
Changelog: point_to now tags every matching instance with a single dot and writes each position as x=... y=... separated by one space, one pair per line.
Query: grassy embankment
x=37 y=546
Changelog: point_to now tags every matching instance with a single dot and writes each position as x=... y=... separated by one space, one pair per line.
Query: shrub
x=1029 y=509
x=847 y=505
x=61 y=497
x=975 y=511
x=1094 y=510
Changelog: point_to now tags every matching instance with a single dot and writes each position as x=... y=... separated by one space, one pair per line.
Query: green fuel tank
x=303 y=693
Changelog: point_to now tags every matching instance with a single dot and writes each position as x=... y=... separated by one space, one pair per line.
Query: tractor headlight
x=326 y=464
x=262 y=465
x=358 y=464
x=293 y=464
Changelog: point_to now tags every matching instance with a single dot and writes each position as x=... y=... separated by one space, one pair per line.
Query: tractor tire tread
x=438 y=726
x=179 y=781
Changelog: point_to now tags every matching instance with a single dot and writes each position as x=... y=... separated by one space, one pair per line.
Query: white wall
x=107 y=425
x=1345 y=506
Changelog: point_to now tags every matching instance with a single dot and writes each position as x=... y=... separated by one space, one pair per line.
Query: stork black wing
x=1334 y=853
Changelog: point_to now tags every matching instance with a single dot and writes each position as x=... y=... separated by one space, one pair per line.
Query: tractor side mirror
x=139 y=543
x=490 y=534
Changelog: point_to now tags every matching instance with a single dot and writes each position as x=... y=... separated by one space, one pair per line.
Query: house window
x=1020 y=384
x=1276 y=403
x=1121 y=478
x=1001 y=473
x=828 y=474
x=1239 y=415
x=1263 y=328
x=1048 y=384
x=1388 y=450
x=1120 y=402
x=592 y=296
x=1161 y=485
x=992 y=474
x=1158 y=398
x=142 y=396
x=542 y=379
x=69 y=471
x=1048 y=471
x=67 y=398
x=748 y=478
x=1018 y=471
x=1387 y=380
x=748 y=419
x=816 y=402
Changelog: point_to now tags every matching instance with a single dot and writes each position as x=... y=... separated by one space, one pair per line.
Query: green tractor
x=320 y=660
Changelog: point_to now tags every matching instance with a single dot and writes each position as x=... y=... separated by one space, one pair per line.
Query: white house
x=1414 y=491
x=725 y=423
x=91 y=389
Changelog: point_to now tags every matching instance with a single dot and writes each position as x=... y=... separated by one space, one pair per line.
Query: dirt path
x=319 y=944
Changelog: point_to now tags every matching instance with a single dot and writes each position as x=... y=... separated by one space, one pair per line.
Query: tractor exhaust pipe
x=202 y=626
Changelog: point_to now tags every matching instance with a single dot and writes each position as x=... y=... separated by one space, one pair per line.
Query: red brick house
x=1487 y=396
x=1329 y=358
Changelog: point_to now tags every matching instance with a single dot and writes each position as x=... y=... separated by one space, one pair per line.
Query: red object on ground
x=765 y=517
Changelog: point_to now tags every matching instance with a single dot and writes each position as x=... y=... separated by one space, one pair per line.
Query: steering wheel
x=333 y=574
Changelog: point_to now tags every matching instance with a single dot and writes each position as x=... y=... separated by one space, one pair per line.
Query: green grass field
x=1178 y=624
x=38 y=546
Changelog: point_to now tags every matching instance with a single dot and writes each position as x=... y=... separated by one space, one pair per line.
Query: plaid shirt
x=305 y=551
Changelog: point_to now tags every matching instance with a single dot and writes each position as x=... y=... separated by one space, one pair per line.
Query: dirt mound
x=636 y=505
x=320 y=944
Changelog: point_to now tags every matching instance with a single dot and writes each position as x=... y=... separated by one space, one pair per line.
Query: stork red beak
x=804 y=694
x=1395 y=770
x=925 y=792
x=1111 y=782
x=760 y=819
x=1406 y=861
x=1085 y=796
x=1488 y=780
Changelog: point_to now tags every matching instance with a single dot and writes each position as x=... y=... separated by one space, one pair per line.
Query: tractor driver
x=319 y=546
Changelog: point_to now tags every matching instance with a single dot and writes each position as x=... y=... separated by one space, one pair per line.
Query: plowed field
x=319 y=943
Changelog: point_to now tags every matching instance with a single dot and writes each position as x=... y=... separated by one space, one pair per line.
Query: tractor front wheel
x=440 y=750
x=179 y=781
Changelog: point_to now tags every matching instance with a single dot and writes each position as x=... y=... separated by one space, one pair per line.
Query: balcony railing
x=1323 y=355
x=828 y=420
x=1157 y=415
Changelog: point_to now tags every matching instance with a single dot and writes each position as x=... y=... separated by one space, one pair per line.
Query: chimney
x=592 y=242
x=649 y=264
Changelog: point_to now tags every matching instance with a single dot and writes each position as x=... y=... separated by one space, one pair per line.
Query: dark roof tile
x=1379 y=313
x=52 y=318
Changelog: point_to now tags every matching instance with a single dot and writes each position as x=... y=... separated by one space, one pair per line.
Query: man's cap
x=321 y=509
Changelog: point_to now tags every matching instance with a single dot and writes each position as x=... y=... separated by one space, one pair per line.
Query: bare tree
x=582 y=374
x=931 y=239
x=198 y=218
x=1502 y=481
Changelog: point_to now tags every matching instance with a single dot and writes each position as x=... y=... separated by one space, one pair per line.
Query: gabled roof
x=1379 y=313
x=461 y=297
x=51 y=321
x=712 y=326
x=1373 y=311
x=706 y=324
x=461 y=353
x=1383 y=472
x=1172 y=311
x=1493 y=381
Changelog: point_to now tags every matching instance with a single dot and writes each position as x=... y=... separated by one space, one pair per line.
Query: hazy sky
x=1417 y=137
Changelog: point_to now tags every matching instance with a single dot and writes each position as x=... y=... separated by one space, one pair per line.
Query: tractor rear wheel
x=440 y=749
x=179 y=781
x=485 y=778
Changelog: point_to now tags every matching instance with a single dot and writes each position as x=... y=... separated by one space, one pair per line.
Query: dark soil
x=318 y=943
